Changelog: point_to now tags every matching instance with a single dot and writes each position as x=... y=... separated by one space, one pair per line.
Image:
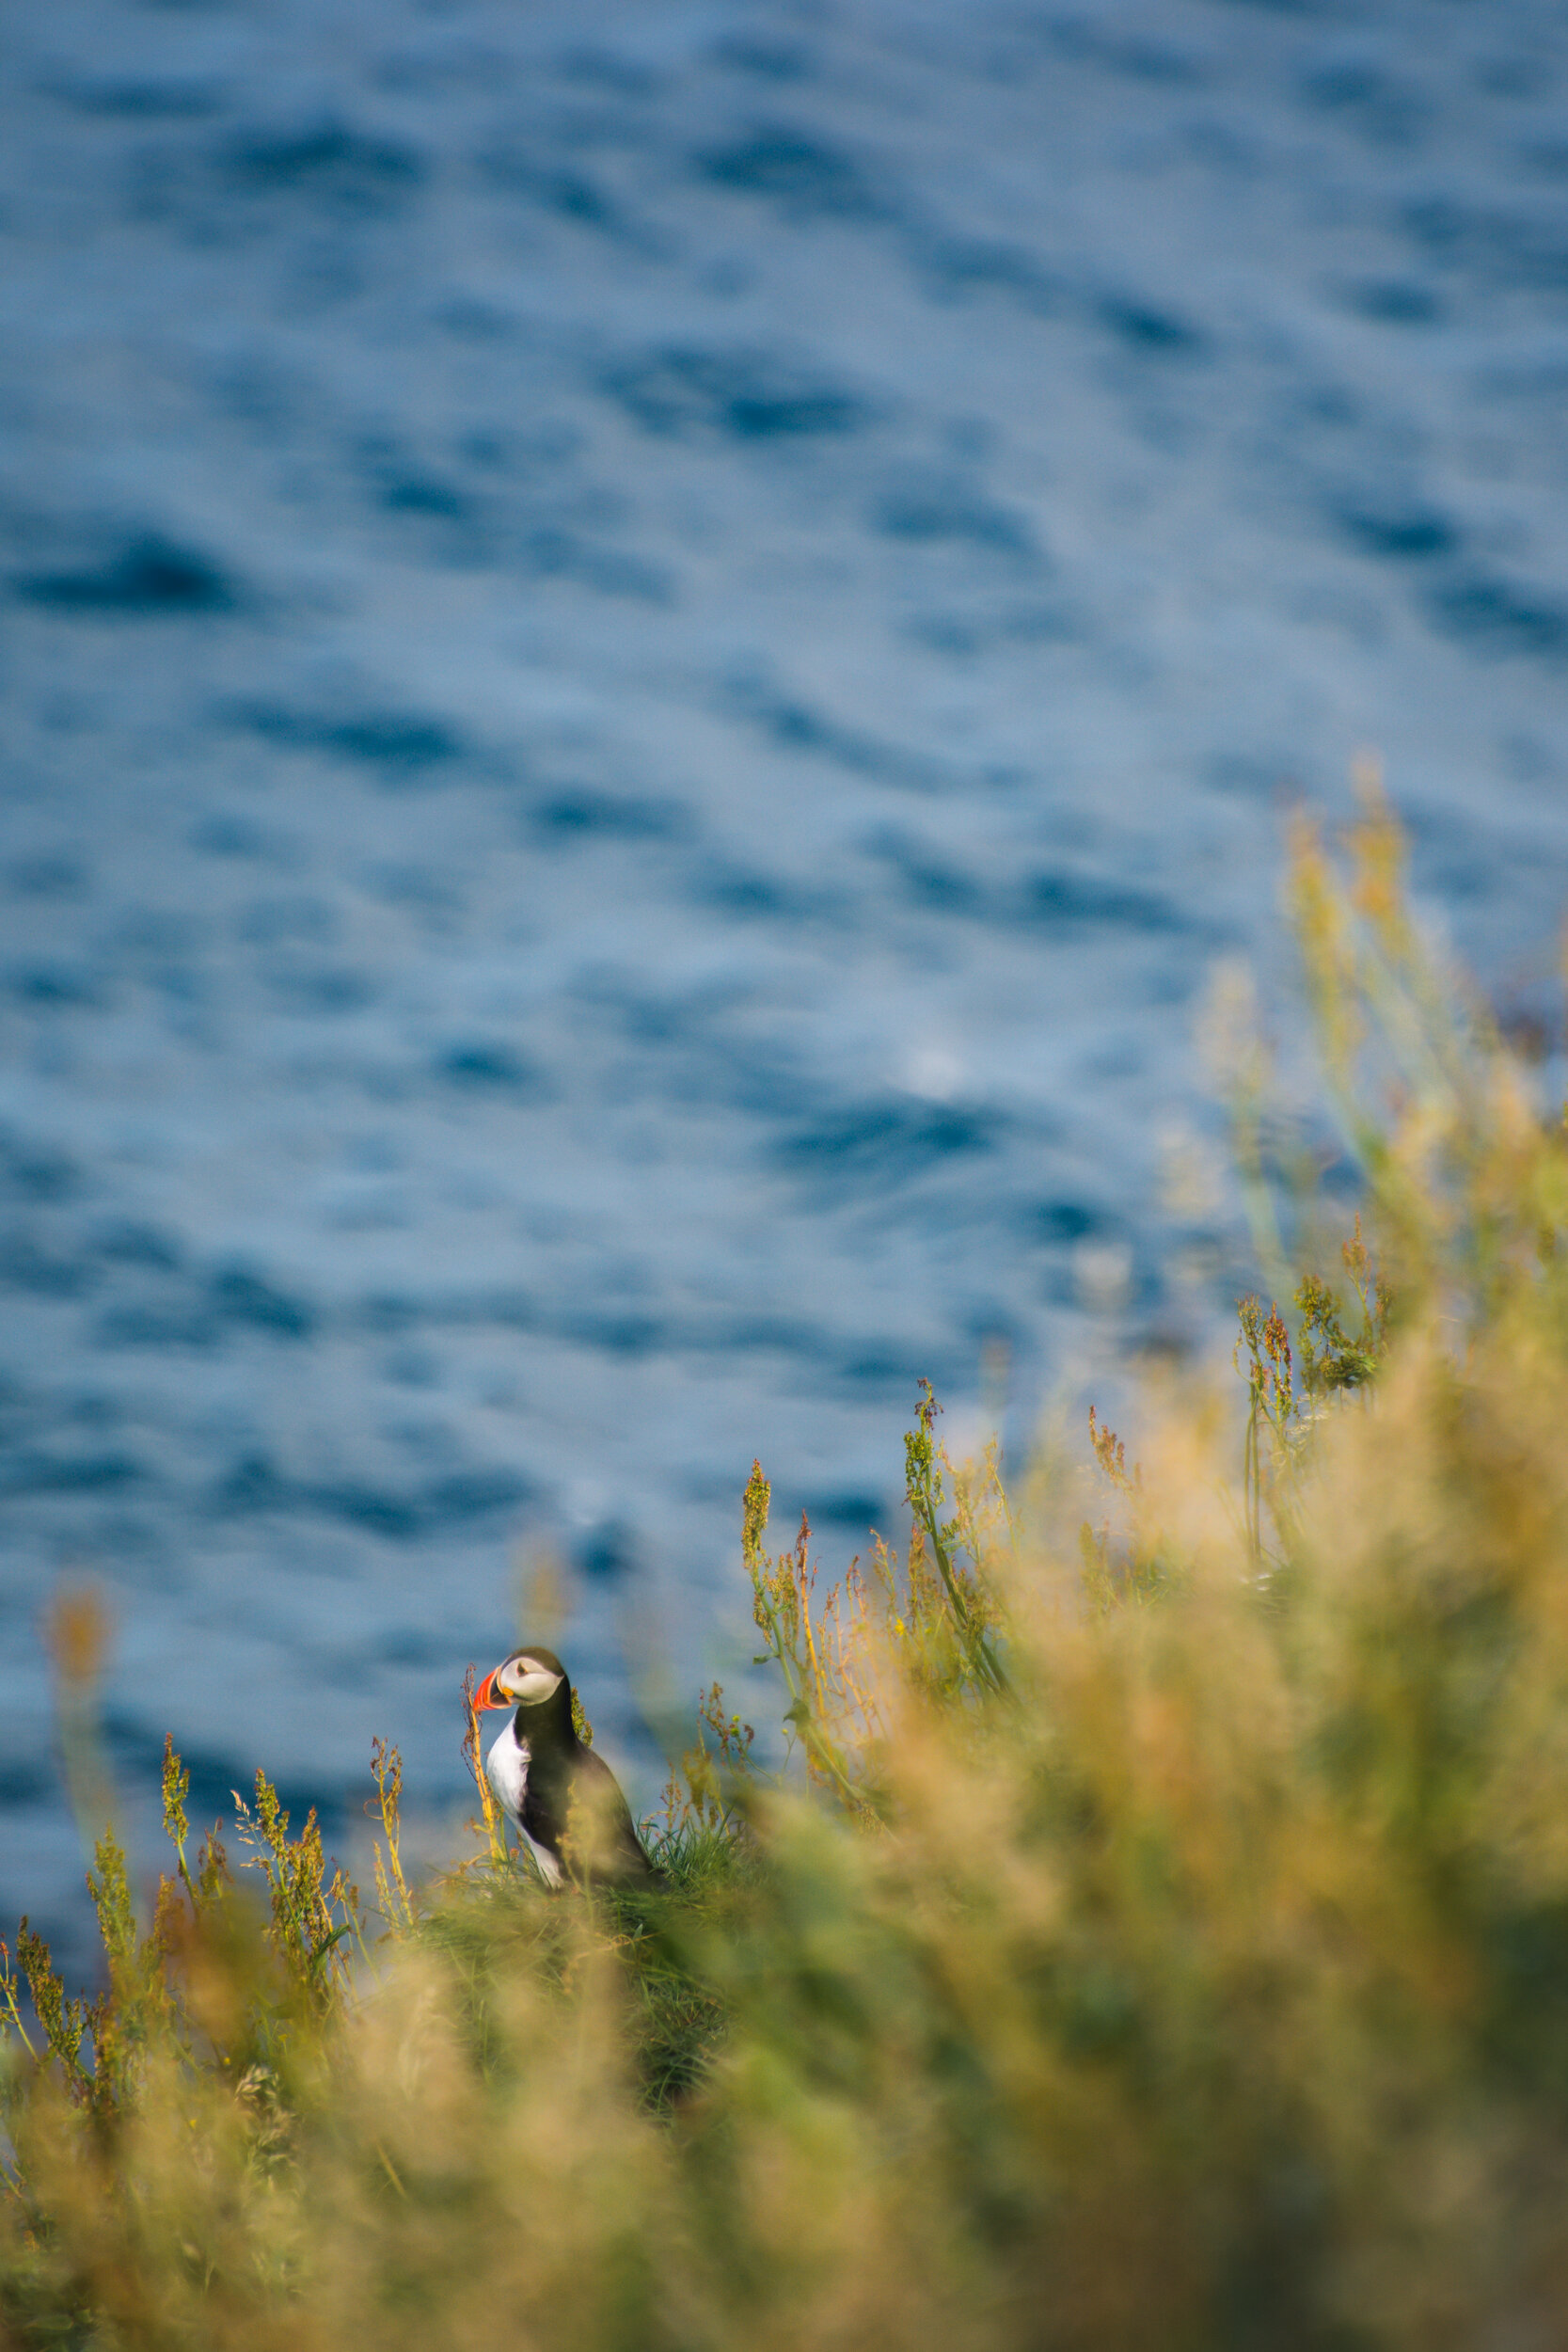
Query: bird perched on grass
x=562 y=1797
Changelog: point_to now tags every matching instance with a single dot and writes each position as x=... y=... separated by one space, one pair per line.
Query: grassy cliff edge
x=1160 y=1938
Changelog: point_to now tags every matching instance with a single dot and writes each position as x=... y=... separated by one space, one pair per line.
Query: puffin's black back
x=562 y=1774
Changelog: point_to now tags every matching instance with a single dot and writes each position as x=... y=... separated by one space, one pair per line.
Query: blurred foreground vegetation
x=1160 y=1940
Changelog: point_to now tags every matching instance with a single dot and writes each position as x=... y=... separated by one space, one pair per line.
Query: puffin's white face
x=523 y=1679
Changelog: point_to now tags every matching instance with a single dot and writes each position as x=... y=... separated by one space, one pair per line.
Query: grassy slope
x=1165 y=1942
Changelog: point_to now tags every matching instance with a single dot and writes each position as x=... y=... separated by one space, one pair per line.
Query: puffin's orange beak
x=487 y=1695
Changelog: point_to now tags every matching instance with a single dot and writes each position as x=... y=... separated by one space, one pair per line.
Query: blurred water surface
x=646 y=655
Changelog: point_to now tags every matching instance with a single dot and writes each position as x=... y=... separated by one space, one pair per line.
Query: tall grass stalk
x=1159 y=1936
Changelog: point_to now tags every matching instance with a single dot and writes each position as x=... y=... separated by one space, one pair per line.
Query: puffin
x=559 y=1792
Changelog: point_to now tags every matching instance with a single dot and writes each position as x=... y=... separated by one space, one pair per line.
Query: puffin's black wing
x=619 y=1850
x=576 y=1802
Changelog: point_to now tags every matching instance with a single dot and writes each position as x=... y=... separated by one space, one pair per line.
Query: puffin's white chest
x=506 y=1770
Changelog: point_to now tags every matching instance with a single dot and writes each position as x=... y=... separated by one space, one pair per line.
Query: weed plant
x=1160 y=1938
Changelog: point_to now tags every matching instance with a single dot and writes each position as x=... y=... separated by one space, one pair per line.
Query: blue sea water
x=647 y=656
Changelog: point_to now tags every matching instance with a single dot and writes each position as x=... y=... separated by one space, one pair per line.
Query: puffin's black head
x=530 y=1678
